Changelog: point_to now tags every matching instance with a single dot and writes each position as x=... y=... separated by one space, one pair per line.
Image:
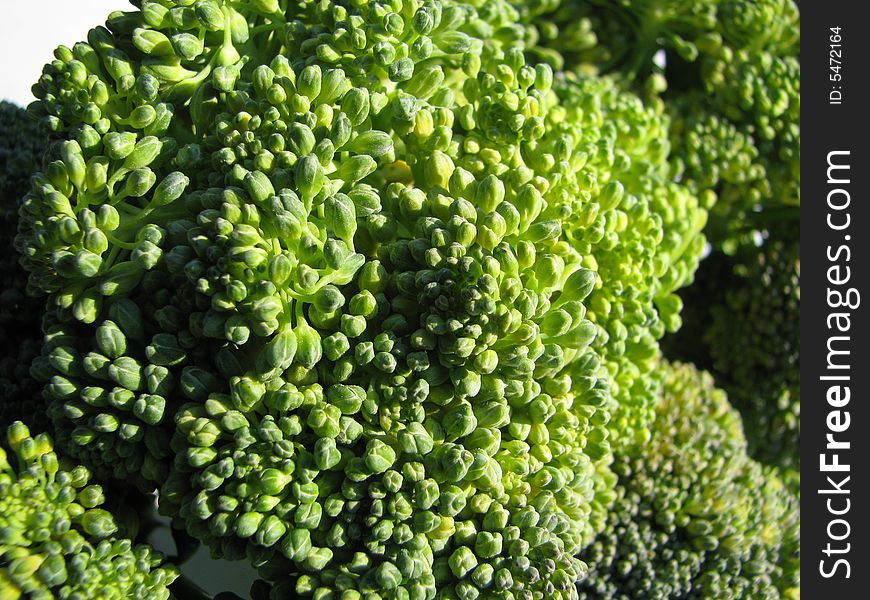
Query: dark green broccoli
x=21 y=147
x=375 y=296
x=758 y=356
x=22 y=144
x=749 y=328
x=341 y=286
x=695 y=517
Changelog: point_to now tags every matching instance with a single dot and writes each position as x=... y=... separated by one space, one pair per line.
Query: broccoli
x=328 y=305
x=643 y=235
x=371 y=293
x=730 y=83
x=759 y=357
x=23 y=144
x=56 y=541
x=695 y=517
x=752 y=126
x=623 y=38
x=376 y=240
x=729 y=73
x=21 y=147
x=756 y=356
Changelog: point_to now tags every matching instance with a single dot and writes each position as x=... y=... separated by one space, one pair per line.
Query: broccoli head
x=757 y=357
x=695 y=517
x=729 y=73
x=329 y=305
x=21 y=147
x=56 y=540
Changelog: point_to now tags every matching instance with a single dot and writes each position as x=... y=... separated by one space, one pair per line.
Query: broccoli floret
x=638 y=228
x=695 y=517
x=743 y=144
x=749 y=329
x=758 y=355
x=393 y=283
x=623 y=38
x=342 y=286
x=57 y=541
x=729 y=73
x=21 y=146
x=730 y=82
x=760 y=94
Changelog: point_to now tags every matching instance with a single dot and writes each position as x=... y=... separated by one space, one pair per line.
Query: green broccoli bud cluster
x=56 y=541
x=716 y=154
x=105 y=395
x=636 y=227
x=770 y=25
x=730 y=82
x=622 y=38
x=21 y=152
x=695 y=517
x=21 y=148
x=739 y=60
x=759 y=359
x=722 y=158
x=461 y=324
x=761 y=94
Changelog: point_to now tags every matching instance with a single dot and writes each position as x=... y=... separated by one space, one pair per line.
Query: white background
x=30 y=30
